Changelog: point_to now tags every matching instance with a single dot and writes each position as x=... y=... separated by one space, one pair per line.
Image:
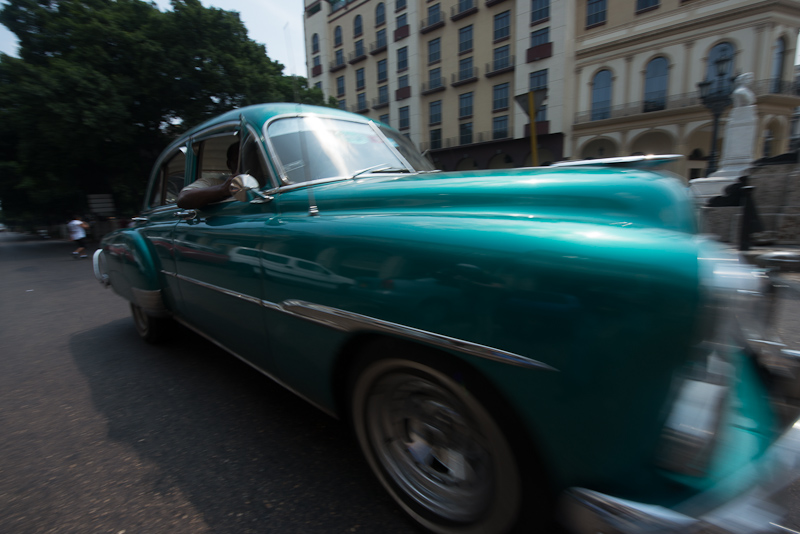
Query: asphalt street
x=102 y=433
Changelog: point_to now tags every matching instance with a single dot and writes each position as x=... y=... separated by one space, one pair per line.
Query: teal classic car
x=514 y=349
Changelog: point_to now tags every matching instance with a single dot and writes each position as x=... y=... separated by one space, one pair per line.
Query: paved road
x=100 y=432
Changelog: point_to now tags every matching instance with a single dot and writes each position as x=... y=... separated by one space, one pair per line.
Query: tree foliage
x=101 y=86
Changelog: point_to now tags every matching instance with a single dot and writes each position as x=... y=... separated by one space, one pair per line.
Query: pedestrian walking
x=77 y=233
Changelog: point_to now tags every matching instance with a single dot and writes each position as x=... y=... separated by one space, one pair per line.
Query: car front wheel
x=435 y=447
x=151 y=329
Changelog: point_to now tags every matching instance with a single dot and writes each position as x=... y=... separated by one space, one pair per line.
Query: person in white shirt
x=77 y=232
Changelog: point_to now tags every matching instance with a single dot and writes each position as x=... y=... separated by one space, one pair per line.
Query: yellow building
x=621 y=75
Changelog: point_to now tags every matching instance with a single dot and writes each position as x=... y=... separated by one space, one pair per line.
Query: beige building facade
x=621 y=75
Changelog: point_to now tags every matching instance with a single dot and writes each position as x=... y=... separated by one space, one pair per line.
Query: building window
x=436 y=139
x=465 y=69
x=434 y=14
x=399 y=4
x=402 y=20
x=778 y=59
x=380 y=38
x=435 y=112
x=384 y=118
x=315 y=44
x=595 y=12
x=465 y=105
x=340 y=86
x=641 y=5
x=540 y=37
x=720 y=51
x=502 y=57
x=358 y=26
x=360 y=48
x=362 y=101
x=465 y=39
x=655 y=84
x=343 y=104
x=434 y=50
x=382 y=71
x=402 y=58
x=317 y=61
x=360 y=82
x=537 y=80
x=380 y=14
x=402 y=81
x=337 y=36
x=502 y=25
x=601 y=95
x=318 y=85
x=500 y=127
x=383 y=94
x=465 y=133
x=404 y=118
x=540 y=10
x=340 y=57
x=500 y=97
x=435 y=78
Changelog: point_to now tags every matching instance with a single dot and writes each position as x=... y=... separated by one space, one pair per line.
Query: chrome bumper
x=758 y=510
x=101 y=276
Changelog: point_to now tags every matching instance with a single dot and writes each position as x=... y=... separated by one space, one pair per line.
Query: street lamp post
x=717 y=101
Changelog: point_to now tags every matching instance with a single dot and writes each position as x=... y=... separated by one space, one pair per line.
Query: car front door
x=216 y=255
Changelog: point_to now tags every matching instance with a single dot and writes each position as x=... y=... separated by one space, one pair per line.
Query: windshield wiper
x=383 y=167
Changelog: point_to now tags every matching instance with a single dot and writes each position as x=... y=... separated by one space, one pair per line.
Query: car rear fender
x=132 y=270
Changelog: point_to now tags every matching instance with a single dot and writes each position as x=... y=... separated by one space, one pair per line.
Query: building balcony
x=432 y=23
x=542 y=128
x=464 y=77
x=490 y=3
x=336 y=66
x=376 y=47
x=764 y=90
x=538 y=52
x=463 y=9
x=360 y=107
x=403 y=93
x=357 y=56
x=402 y=32
x=316 y=70
x=434 y=86
x=380 y=102
x=500 y=66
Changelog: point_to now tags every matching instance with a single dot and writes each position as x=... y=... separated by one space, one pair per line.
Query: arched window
x=655 y=84
x=720 y=66
x=337 y=36
x=358 y=27
x=601 y=95
x=315 y=44
x=778 y=58
x=380 y=14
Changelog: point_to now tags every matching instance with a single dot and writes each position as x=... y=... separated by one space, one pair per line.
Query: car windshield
x=312 y=148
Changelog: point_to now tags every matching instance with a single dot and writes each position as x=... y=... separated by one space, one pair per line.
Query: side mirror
x=241 y=185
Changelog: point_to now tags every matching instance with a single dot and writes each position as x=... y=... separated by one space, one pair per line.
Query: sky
x=277 y=24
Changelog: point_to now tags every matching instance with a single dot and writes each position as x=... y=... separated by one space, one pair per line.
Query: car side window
x=212 y=156
x=170 y=180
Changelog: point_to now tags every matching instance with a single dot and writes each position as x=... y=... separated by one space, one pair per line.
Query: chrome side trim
x=348 y=322
x=259 y=369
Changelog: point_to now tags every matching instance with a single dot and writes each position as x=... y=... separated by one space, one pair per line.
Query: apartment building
x=621 y=76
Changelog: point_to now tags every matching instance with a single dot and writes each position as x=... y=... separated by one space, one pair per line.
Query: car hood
x=598 y=195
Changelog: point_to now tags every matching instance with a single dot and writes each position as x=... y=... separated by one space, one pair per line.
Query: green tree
x=101 y=86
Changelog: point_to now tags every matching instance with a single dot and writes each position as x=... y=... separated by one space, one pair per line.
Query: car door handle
x=186 y=214
x=140 y=219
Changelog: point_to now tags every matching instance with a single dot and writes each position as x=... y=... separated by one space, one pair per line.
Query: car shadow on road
x=248 y=455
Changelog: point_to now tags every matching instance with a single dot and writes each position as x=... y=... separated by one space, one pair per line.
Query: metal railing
x=760 y=88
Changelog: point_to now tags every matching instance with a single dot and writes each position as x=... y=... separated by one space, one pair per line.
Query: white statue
x=743 y=95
